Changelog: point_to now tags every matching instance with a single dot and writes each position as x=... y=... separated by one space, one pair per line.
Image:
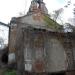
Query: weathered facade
x=38 y=45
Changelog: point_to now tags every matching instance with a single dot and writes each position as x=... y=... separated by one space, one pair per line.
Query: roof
x=52 y=24
x=38 y=18
x=45 y=22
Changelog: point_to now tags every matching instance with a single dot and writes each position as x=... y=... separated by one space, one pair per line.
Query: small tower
x=38 y=4
x=33 y=6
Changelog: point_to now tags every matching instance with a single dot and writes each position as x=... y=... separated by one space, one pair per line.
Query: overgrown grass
x=9 y=72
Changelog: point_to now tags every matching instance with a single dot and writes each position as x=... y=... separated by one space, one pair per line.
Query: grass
x=9 y=72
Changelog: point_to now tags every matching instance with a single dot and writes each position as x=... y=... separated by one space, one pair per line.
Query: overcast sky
x=4 y=33
x=12 y=8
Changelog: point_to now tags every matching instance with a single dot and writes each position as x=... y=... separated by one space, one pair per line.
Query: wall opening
x=5 y=58
x=60 y=73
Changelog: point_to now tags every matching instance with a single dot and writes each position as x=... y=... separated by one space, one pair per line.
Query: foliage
x=1 y=43
x=10 y=72
x=71 y=27
x=52 y=24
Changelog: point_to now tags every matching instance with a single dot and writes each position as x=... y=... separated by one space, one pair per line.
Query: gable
x=38 y=20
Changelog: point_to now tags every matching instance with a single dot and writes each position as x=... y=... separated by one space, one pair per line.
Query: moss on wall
x=52 y=24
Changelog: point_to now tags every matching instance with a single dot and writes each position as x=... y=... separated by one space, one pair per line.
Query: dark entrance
x=59 y=73
x=5 y=58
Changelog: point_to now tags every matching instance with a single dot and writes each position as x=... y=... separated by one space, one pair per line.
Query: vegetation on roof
x=52 y=24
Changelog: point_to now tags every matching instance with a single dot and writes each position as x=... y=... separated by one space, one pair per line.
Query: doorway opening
x=5 y=58
x=59 y=73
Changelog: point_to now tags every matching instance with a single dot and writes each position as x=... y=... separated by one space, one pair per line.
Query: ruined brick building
x=38 y=45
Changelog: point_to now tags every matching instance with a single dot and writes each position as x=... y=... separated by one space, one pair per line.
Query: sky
x=4 y=33
x=14 y=8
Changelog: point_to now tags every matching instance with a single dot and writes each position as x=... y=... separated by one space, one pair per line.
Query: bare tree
x=69 y=27
x=1 y=43
x=57 y=13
